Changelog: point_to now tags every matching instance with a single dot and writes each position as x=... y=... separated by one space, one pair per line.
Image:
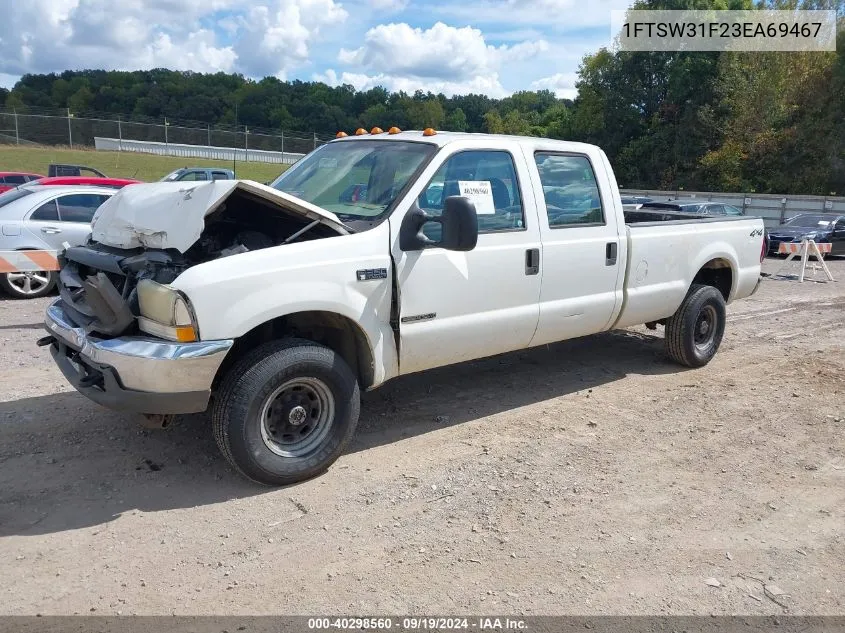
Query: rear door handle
x=532 y=261
x=51 y=230
x=610 y=254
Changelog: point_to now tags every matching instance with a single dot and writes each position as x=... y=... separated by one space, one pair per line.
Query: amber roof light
x=341 y=135
x=394 y=130
x=429 y=131
x=360 y=131
x=376 y=130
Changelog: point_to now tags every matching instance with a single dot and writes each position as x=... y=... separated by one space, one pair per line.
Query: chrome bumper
x=136 y=373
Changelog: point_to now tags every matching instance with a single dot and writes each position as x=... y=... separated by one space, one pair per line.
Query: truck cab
x=375 y=256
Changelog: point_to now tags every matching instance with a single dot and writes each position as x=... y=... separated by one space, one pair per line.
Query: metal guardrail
x=773 y=208
x=196 y=151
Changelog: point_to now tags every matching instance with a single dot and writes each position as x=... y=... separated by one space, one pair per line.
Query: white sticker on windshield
x=480 y=193
x=824 y=223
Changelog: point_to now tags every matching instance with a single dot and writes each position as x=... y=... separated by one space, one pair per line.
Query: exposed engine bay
x=98 y=281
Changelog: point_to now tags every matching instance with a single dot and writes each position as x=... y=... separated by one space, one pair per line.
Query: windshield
x=173 y=175
x=814 y=221
x=12 y=195
x=356 y=180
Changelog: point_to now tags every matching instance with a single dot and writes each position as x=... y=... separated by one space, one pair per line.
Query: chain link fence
x=49 y=127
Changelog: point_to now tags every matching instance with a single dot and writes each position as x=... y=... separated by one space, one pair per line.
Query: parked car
x=115 y=183
x=11 y=179
x=57 y=170
x=199 y=173
x=698 y=208
x=285 y=308
x=819 y=227
x=634 y=202
x=34 y=217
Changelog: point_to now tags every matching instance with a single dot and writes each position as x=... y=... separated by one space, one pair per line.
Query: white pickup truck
x=373 y=257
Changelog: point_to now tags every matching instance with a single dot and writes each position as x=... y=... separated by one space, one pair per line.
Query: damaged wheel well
x=333 y=330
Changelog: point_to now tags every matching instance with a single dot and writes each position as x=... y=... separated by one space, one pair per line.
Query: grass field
x=147 y=167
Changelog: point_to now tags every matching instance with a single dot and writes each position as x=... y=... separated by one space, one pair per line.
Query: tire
x=28 y=285
x=695 y=331
x=285 y=412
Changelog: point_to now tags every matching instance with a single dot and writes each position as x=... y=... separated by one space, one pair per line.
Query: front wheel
x=28 y=285
x=694 y=332
x=286 y=411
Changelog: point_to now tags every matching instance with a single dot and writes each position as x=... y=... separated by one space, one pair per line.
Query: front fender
x=233 y=295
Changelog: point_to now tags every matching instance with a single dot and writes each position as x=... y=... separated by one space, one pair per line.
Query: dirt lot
x=588 y=477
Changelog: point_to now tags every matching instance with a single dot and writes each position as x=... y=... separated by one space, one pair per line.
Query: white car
x=35 y=217
x=279 y=309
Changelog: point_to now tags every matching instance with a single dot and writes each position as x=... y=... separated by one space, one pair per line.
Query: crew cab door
x=457 y=306
x=583 y=256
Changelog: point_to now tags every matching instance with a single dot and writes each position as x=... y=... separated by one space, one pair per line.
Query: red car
x=11 y=179
x=116 y=183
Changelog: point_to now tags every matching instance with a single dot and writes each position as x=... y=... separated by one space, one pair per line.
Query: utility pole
x=283 y=144
x=119 y=135
x=166 y=142
x=69 y=131
x=17 y=134
x=315 y=140
x=209 y=134
x=246 y=144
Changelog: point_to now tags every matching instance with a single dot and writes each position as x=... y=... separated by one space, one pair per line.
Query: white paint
x=172 y=214
x=484 y=301
x=480 y=193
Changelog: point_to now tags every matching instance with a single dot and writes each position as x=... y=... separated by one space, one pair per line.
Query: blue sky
x=495 y=47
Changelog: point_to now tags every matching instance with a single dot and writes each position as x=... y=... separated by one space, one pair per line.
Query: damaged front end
x=155 y=232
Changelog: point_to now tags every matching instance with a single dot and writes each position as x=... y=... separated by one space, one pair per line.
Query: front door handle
x=50 y=230
x=532 y=261
x=610 y=254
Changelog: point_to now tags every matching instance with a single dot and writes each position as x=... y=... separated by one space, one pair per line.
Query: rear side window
x=219 y=175
x=15 y=179
x=79 y=207
x=47 y=212
x=570 y=189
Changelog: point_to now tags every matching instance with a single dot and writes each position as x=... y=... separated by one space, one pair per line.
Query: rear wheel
x=28 y=285
x=286 y=411
x=695 y=331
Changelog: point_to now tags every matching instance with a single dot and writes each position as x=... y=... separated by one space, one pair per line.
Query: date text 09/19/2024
x=418 y=624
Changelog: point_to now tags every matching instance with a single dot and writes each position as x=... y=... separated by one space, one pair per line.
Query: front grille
x=94 y=296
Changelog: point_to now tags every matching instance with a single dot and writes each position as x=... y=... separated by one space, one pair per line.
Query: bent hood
x=172 y=214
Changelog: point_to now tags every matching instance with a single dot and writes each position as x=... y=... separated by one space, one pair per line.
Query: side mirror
x=459 y=227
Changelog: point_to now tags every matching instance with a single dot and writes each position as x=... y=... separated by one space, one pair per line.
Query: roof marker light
x=429 y=131
x=394 y=130
x=376 y=130
x=341 y=134
x=360 y=131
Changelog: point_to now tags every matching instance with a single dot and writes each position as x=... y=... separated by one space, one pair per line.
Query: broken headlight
x=165 y=312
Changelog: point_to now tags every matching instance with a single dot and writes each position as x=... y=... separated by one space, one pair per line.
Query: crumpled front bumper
x=135 y=373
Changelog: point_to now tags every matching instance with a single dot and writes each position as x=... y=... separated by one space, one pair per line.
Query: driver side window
x=489 y=179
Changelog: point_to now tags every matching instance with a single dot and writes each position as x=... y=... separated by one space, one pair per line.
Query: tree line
x=751 y=122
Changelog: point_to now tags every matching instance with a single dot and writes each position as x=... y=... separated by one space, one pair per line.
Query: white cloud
x=442 y=58
x=489 y=85
x=562 y=15
x=270 y=38
x=389 y=6
x=562 y=84
x=277 y=38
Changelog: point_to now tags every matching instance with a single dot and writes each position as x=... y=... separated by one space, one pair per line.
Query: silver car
x=35 y=217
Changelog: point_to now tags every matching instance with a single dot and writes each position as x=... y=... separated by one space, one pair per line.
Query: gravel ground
x=587 y=477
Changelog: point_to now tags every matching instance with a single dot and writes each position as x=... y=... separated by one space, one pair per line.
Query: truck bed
x=654 y=216
x=667 y=249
